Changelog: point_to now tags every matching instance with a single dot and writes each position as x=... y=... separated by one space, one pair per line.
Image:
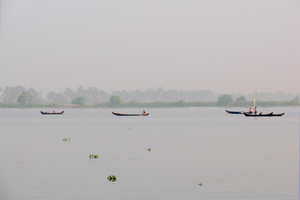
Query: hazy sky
x=225 y=46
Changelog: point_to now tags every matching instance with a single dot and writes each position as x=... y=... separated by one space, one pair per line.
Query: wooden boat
x=121 y=114
x=52 y=113
x=264 y=115
x=234 y=112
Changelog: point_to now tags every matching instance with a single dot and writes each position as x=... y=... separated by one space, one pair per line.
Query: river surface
x=176 y=154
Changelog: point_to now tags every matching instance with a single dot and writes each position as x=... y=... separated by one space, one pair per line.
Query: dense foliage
x=225 y=100
x=19 y=96
x=25 y=97
x=79 y=101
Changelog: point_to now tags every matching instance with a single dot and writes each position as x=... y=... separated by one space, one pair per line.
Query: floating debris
x=149 y=149
x=200 y=184
x=93 y=156
x=65 y=139
x=112 y=178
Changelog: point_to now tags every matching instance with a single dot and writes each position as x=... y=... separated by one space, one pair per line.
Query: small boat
x=52 y=113
x=234 y=112
x=263 y=115
x=121 y=114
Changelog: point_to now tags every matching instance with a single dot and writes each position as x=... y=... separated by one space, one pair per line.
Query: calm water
x=234 y=157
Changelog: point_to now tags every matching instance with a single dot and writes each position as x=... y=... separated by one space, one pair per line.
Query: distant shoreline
x=180 y=104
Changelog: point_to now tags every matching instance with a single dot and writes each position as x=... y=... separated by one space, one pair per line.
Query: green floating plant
x=65 y=139
x=149 y=149
x=93 y=156
x=112 y=178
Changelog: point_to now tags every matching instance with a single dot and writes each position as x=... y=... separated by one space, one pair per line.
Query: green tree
x=79 y=101
x=115 y=101
x=11 y=94
x=25 y=97
x=225 y=100
x=69 y=93
x=58 y=98
x=241 y=98
x=180 y=103
x=36 y=96
x=241 y=101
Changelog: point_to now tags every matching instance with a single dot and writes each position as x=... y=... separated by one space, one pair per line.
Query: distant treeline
x=156 y=104
x=223 y=100
x=116 y=102
x=19 y=96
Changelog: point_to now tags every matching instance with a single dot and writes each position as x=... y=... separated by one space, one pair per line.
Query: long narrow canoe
x=52 y=113
x=121 y=114
x=234 y=112
x=264 y=115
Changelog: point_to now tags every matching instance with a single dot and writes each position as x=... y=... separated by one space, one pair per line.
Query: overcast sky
x=224 y=46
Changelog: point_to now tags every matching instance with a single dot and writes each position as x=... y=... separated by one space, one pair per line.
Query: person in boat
x=144 y=113
x=250 y=111
x=255 y=111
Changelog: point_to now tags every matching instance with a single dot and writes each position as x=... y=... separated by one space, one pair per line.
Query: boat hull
x=234 y=112
x=121 y=114
x=52 y=113
x=264 y=115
